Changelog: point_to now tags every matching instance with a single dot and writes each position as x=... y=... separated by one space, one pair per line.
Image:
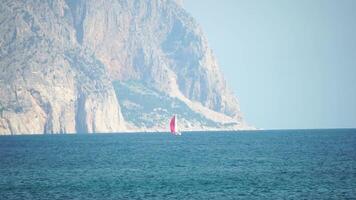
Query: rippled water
x=304 y=164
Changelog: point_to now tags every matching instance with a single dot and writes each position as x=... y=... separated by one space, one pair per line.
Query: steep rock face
x=58 y=60
x=49 y=84
x=159 y=43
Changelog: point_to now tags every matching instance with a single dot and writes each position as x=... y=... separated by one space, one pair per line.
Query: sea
x=270 y=164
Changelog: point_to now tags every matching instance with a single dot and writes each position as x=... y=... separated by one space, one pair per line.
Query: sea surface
x=294 y=164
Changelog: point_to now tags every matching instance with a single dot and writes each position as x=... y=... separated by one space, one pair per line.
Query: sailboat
x=174 y=126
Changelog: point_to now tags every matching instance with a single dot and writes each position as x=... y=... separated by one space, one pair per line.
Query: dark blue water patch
x=295 y=164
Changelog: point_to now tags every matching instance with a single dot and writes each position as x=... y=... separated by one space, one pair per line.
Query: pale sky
x=291 y=63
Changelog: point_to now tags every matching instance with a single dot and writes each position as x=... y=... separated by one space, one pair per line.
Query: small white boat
x=174 y=126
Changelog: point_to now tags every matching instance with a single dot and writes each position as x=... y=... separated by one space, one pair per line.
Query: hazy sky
x=292 y=64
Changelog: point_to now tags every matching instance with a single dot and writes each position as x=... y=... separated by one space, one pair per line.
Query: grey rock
x=59 y=59
x=48 y=82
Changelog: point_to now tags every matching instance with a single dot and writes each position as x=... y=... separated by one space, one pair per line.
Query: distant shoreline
x=194 y=131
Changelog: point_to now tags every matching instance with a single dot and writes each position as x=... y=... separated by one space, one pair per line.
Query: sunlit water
x=305 y=164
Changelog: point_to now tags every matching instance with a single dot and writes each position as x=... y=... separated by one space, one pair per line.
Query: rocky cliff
x=82 y=66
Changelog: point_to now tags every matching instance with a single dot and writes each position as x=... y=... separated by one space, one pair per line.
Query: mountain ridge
x=60 y=59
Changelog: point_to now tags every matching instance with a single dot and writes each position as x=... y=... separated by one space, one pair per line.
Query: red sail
x=172 y=124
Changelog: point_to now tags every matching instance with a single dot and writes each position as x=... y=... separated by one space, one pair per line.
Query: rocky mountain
x=83 y=66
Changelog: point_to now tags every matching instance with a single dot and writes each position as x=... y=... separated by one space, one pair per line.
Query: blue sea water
x=295 y=164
